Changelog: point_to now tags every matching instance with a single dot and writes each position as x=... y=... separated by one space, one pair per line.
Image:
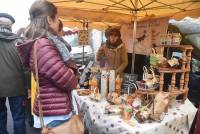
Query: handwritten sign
x=83 y=37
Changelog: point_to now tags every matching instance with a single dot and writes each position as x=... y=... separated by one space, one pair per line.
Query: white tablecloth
x=177 y=120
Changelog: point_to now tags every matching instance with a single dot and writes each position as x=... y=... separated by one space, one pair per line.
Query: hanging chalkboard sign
x=83 y=37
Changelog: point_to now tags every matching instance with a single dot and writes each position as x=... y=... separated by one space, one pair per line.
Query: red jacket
x=55 y=79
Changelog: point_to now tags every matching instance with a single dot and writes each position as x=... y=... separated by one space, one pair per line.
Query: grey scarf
x=60 y=45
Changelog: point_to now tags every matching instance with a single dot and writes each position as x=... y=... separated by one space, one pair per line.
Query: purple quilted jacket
x=56 y=80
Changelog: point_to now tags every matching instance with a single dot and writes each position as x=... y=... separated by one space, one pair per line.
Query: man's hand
x=101 y=52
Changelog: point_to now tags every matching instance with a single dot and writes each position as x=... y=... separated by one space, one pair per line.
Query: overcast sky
x=19 y=9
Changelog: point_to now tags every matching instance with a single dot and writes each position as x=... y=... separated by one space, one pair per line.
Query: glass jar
x=176 y=38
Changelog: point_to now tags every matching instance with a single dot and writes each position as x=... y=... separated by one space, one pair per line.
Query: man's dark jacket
x=12 y=78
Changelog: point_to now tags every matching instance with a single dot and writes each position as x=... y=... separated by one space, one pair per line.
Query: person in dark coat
x=12 y=78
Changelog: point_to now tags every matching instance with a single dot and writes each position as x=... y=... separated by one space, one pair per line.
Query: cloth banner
x=148 y=35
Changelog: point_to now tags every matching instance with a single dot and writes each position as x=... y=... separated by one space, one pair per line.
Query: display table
x=177 y=120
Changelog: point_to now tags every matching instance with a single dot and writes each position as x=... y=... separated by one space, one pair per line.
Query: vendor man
x=113 y=51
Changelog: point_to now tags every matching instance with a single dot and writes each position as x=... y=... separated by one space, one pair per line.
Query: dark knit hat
x=8 y=16
x=112 y=31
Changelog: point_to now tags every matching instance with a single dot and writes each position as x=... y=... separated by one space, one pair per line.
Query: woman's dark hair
x=112 y=31
x=60 y=27
x=39 y=12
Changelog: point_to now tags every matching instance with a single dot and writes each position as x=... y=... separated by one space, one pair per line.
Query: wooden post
x=183 y=60
x=189 y=57
x=173 y=81
x=182 y=80
x=161 y=81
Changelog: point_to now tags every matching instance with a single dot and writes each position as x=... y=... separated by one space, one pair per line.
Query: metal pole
x=85 y=27
x=83 y=56
x=134 y=36
x=84 y=23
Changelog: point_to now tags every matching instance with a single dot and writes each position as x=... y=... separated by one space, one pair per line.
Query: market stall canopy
x=69 y=22
x=121 y=11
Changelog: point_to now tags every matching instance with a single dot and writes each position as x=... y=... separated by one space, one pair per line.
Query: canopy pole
x=134 y=36
x=85 y=27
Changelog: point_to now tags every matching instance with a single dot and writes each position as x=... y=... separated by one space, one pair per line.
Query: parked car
x=77 y=54
x=77 y=50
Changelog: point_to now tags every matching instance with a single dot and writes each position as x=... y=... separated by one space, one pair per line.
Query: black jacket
x=12 y=77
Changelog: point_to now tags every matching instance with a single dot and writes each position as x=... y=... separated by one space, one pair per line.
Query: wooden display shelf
x=184 y=71
x=172 y=93
x=183 y=47
x=175 y=93
x=148 y=92
x=172 y=70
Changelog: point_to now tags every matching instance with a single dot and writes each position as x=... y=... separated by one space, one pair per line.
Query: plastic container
x=143 y=86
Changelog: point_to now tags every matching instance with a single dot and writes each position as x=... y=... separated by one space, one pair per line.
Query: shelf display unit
x=184 y=71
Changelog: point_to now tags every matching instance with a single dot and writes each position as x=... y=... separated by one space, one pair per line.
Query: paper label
x=104 y=83
x=112 y=81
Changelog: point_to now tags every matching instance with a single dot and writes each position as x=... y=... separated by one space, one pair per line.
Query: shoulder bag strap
x=37 y=85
